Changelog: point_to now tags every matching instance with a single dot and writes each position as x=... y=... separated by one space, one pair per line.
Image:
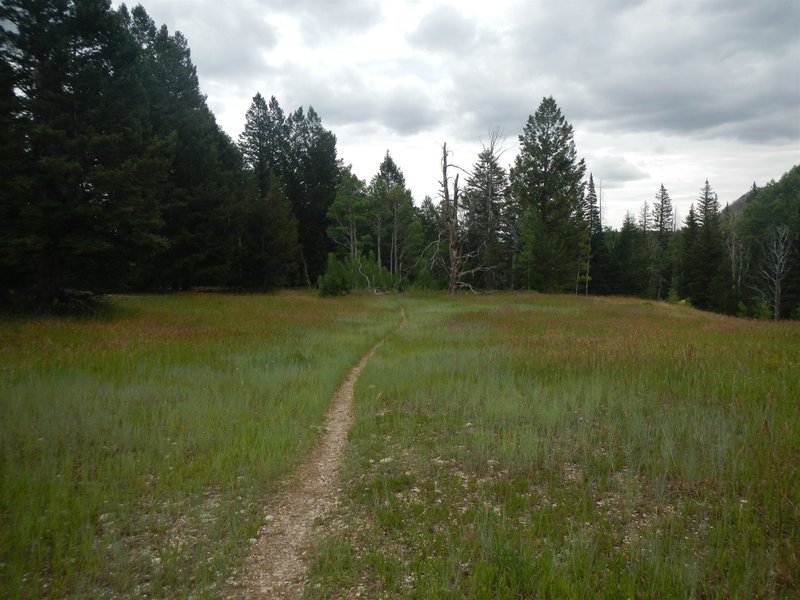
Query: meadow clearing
x=504 y=446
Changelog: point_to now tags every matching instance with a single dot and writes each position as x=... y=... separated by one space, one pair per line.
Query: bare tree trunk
x=451 y=220
x=775 y=266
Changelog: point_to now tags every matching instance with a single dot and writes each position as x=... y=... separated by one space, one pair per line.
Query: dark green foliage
x=547 y=181
x=769 y=208
x=201 y=194
x=82 y=198
x=265 y=141
x=335 y=281
x=488 y=220
x=394 y=230
x=702 y=280
x=627 y=260
x=270 y=240
x=311 y=181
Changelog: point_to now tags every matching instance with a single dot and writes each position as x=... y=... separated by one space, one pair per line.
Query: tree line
x=117 y=177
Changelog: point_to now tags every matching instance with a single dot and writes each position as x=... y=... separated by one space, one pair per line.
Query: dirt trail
x=276 y=566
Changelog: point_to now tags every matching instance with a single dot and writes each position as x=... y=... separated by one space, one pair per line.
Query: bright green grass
x=519 y=446
x=137 y=450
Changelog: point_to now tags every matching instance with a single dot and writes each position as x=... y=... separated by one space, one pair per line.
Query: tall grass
x=137 y=449
x=539 y=446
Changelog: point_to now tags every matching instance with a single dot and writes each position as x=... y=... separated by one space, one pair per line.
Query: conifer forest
x=117 y=177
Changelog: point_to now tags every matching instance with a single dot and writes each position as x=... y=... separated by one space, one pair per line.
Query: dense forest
x=117 y=177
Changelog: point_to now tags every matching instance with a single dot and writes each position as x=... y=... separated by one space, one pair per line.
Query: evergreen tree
x=709 y=288
x=628 y=259
x=598 y=275
x=661 y=225
x=311 y=179
x=592 y=209
x=85 y=211
x=690 y=276
x=486 y=218
x=264 y=143
x=393 y=217
x=547 y=179
x=272 y=239
x=661 y=216
x=202 y=196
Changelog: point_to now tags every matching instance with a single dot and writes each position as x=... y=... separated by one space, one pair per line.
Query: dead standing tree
x=450 y=217
x=775 y=265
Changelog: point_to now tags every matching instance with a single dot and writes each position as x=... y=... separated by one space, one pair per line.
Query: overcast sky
x=669 y=91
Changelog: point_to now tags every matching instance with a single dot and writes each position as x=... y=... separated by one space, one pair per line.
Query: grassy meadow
x=505 y=446
x=137 y=449
x=524 y=446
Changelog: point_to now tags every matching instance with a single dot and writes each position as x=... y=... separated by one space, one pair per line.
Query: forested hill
x=116 y=176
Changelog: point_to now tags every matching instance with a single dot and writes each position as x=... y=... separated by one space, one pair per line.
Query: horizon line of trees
x=117 y=177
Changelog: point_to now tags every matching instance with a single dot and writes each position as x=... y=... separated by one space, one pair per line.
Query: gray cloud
x=225 y=44
x=707 y=68
x=344 y=97
x=322 y=19
x=614 y=170
x=444 y=29
x=656 y=89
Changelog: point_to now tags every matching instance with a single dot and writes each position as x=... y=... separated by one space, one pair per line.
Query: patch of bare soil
x=276 y=566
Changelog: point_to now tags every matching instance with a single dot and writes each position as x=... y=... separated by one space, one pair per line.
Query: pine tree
x=547 y=178
x=392 y=216
x=264 y=143
x=661 y=225
x=628 y=259
x=311 y=178
x=201 y=198
x=709 y=289
x=592 y=209
x=690 y=276
x=486 y=217
x=85 y=187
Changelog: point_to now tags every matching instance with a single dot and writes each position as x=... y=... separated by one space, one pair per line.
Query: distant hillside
x=736 y=208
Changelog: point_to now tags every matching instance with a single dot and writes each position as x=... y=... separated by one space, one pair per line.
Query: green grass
x=518 y=446
x=505 y=446
x=137 y=449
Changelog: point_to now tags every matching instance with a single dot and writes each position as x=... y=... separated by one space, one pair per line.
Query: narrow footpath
x=276 y=566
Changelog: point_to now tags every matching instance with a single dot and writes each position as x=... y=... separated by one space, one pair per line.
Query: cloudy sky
x=672 y=91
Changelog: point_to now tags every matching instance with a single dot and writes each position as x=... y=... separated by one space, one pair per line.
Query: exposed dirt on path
x=276 y=566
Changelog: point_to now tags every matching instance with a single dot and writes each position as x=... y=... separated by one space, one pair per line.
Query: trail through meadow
x=276 y=565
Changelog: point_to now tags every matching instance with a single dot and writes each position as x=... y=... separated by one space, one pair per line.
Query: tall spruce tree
x=709 y=289
x=690 y=275
x=264 y=143
x=201 y=197
x=598 y=274
x=487 y=218
x=84 y=190
x=311 y=179
x=271 y=251
x=661 y=224
x=547 y=179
